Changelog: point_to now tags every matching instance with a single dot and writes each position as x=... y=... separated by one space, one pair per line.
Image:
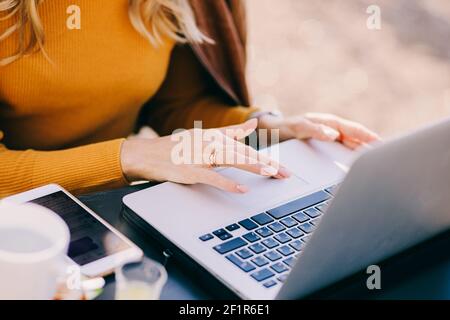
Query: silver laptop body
x=394 y=197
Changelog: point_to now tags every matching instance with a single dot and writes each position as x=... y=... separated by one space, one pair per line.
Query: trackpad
x=265 y=192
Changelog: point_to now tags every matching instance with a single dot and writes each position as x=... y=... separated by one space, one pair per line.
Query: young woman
x=71 y=93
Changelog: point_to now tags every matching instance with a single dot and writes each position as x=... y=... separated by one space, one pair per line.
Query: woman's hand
x=188 y=157
x=321 y=126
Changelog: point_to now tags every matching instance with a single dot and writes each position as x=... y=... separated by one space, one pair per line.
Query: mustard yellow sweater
x=65 y=122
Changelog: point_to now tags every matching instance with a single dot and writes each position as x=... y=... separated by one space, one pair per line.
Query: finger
x=306 y=129
x=356 y=131
x=240 y=131
x=347 y=128
x=258 y=157
x=351 y=144
x=214 y=179
x=242 y=162
x=283 y=172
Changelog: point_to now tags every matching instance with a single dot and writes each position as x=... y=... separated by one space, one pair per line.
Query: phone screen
x=90 y=240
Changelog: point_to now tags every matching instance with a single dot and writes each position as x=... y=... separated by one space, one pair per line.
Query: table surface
x=423 y=273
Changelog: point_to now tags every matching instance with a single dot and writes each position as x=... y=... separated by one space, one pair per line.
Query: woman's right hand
x=159 y=159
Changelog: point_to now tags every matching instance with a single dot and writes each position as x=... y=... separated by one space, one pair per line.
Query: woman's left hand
x=321 y=126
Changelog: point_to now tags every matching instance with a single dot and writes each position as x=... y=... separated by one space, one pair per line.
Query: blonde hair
x=153 y=19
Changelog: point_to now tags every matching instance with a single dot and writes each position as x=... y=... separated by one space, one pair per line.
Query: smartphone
x=95 y=245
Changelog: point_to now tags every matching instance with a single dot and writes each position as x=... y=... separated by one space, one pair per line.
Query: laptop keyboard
x=273 y=239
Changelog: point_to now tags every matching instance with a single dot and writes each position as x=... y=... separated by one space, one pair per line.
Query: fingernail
x=331 y=133
x=269 y=171
x=242 y=189
x=284 y=172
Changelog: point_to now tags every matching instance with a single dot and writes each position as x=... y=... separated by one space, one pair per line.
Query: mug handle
x=69 y=279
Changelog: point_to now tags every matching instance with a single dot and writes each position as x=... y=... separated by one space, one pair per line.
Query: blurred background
x=320 y=56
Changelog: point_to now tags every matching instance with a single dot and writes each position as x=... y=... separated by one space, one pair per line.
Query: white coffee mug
x=33 y=247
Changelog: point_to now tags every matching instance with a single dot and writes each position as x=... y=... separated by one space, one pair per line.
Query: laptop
x=339 y=213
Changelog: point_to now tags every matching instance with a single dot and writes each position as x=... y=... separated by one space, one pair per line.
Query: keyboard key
x=289 y=222
x=297 y=245
x=279 y=267
x=290 y=261
x=260 y=261
x=244 y=253
x=272 y=255
x=282 y=238
x=295 y=233
x=248 y=224
x=300 y=217
x=283 y=277
x=306 y=238
x=270 y=243
x=232 y=227
x=285 y=250
x=251 y=237
x=264 y=232
x=299 y=204
x=276 y=227
x=257 y=248
x=270 y=284
x=312 y=212
x=306 y=227
x=230 y=245
x=243 y=265
x=222 y=234
x=323 y=207
x=315 y=222
x=206 y=237
x=262 y=218
x=262 y=274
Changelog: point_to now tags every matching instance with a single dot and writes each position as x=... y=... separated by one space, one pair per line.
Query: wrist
x=267 y=119
x=128 y=160
x=269 y=122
